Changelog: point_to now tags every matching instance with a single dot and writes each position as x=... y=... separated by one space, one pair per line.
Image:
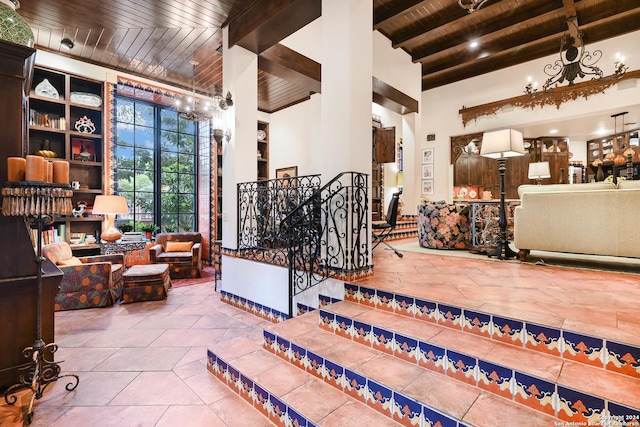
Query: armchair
x=181 y=251
x=92 y=281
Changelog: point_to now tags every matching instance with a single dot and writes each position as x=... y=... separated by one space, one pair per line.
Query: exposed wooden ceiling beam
x=397 y=8
x=267 y=22
x=392 y=99
x=292 y=66
x=510 y=23
x=544 y=46
x=452 y=13
x=461 y=43
x=474 y=67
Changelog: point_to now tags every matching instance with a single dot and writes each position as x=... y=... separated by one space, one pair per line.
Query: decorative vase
x=600 y=174
x=13 y=27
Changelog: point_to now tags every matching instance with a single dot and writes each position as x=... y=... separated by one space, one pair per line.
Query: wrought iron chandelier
x=471 y=5
x=197 y=109
x=574 y=60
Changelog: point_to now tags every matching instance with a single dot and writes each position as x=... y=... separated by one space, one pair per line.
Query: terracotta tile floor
x=145 y=363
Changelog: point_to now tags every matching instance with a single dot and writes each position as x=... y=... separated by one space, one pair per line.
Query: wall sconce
x=531 y=87
x=67 y=43
x=619 y=66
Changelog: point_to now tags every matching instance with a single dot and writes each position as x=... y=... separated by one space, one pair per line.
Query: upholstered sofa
x=594 y=218
x=181 y=251
x=443 y=226
x=92 y=281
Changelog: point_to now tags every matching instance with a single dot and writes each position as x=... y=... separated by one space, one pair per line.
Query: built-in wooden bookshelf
x=66 y=121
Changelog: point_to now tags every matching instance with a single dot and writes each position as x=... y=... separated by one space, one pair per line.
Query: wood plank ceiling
x=156 y=39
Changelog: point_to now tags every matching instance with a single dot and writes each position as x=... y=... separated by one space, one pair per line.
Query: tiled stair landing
x=467 y=373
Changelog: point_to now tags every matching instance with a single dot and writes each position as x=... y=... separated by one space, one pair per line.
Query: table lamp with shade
x=110 y=206
x=538 y=171
x=500 y=145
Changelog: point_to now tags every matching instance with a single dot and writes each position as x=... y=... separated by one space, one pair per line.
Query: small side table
x=124 y=248
x=484 y=218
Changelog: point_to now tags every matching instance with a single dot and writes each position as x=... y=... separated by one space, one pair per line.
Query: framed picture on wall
x=427 y=156
x=289 y=172
x=427 y=187
x=427 y=171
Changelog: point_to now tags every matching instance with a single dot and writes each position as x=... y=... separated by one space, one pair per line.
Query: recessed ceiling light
x=553 y=131
x=473 y=44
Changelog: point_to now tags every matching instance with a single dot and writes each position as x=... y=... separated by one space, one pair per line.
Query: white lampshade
x=109 y=206
x=502 y=143
x=539 y=170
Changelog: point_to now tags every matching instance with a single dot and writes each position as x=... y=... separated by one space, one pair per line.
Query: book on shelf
x=37 y=118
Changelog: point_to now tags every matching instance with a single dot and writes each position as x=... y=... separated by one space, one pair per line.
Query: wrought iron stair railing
x=316 y=232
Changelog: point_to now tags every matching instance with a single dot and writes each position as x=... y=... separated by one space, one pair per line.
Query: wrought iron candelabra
x=39 y=202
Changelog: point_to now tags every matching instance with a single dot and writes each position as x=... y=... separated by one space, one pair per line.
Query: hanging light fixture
x=192 y=108
x=471 y=5
x=197 y=109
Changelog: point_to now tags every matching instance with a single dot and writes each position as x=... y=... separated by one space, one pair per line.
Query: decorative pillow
x=71 y=261
x=179 y=246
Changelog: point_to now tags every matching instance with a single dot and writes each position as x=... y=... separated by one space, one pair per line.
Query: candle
x=60 y=172
x=16 y=167
x=48 y=171
x=35 y=170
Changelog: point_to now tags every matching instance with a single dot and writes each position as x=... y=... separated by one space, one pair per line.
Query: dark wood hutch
x=471 y=169
x=18 y=275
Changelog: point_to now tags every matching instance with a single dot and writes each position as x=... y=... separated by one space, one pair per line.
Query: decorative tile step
x=399 y=389
x=600 y=352
x=498 y=368
x=284 y=394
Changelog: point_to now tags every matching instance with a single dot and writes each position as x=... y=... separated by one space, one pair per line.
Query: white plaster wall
x=394 y=67
x=262 y=283
x=440 y=106
x=305 y=40
x=294 y=138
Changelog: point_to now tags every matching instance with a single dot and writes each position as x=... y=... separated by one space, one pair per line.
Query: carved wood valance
x=555 y=96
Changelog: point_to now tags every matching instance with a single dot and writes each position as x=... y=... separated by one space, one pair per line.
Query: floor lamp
x=501 y=145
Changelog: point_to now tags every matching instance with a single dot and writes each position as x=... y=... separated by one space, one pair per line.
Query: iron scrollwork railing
x=315 y=232
x=327 y=234
x=262 y=206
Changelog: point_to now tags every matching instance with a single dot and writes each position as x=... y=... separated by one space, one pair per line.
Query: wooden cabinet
x=614 y=146
x=18 y=275
x=384 y=145
x=263 y=151
x=377 y=191
x=471 y=169
x=66 y=122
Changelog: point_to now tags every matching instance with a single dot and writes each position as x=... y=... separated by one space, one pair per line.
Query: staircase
x=399 y=358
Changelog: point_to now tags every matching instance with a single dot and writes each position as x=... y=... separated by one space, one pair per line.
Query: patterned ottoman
x=148 y=282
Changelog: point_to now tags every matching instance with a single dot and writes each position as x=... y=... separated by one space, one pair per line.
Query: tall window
x=155 y=165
